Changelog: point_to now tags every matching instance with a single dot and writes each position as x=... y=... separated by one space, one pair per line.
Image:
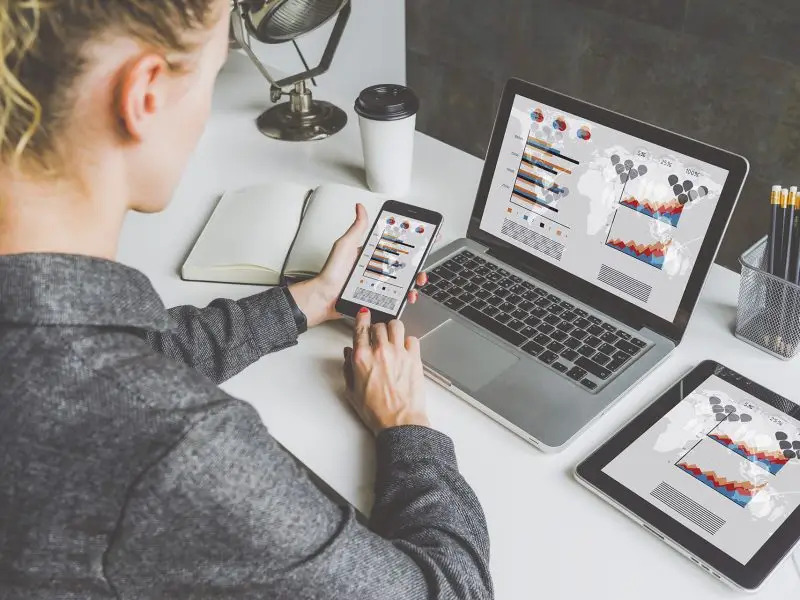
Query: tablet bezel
x=584 y=290
x=748 y=576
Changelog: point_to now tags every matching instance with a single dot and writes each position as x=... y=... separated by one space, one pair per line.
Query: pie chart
x=560 y=124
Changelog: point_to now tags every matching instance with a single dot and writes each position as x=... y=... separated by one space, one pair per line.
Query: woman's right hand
x=383 y=372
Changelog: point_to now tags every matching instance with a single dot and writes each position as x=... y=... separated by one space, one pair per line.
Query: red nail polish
x=363 y=309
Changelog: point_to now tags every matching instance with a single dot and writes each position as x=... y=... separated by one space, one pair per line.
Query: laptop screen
x=617 y=211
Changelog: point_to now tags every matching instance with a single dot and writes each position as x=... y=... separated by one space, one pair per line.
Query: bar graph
x=389 y=257
x=540 y=166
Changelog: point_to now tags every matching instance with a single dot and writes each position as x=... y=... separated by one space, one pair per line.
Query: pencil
x=774 y=238
x=788 y=230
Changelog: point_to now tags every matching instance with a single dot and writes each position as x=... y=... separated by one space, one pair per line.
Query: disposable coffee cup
x=387 y=115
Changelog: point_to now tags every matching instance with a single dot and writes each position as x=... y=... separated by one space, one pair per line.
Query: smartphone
x=398 y=244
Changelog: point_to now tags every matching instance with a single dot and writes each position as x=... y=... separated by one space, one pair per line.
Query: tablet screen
x=722 y=462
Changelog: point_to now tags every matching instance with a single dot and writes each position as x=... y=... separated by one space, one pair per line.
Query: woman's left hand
x=317 y=297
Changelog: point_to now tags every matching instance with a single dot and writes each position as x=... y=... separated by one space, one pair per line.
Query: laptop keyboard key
x=462 y=257
x=622 y=355
x=579 y=334
x=585 y=350
x=576 y=373
x=466 y=297
x=593 y=368
x=542 y=339
x=560 y=367
x=494 y=300
x=490 y=311
x=538 y=311
x=533 y=348
x=483 y=294
x=555 y=347
x=557 y=310
x=502 y=292
x=547 y=357
x=503 y=317
x=526 y=306
x=479 y=304
x=492 y=287
x=454 y=303
x=638 y=343
x=516 y=325
x=493 y=326
x=581 y=323
x=609 y=327
x=571 y=342
x=626 y=347
x=532 y=321
x=553 y=298
x=441 y=296
x=545 y=328
x=623 y=334
x=615 y=364
x=581 y=312
x=471 y=287
x=588 y=384
x=607 y=349
x=519 y=314
x=566 y=327
x=609 y=337
x=569 y=316
x=567 y=305
x=559 y=335
x=569 y=355
x=595 y=320
x=592 y=341
x=552 y=319
x=601 y=359
x=528 y=331
x=595 y=330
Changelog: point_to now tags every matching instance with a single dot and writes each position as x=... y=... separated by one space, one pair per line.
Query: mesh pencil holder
x=768 y=315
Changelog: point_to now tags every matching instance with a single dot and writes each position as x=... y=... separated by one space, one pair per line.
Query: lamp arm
x=238 y=34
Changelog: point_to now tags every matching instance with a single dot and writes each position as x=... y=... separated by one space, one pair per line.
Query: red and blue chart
x=388 y=257
x=667 y=212
x=652 y=254
x=740 y=492
x=772 y=461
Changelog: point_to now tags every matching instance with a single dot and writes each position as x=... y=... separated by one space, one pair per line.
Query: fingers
x=412 y=345
x=380 y=334
x=361 y=330
x=422 y=279
x=397 y=333
x=413 y=296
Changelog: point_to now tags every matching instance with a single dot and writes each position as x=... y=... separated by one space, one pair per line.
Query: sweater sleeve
x=229 y=514
x=222 y=339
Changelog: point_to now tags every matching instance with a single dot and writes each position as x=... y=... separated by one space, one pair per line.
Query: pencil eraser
x=776 y=188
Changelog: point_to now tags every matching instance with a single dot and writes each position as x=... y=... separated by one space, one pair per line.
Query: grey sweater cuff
x=271 y=320
x=413 y=443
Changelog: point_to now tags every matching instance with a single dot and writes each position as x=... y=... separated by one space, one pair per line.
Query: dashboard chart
x=722 y=462
x=596 y=201
x=388 y=262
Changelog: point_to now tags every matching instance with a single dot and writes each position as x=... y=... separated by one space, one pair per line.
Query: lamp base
x=283 y=122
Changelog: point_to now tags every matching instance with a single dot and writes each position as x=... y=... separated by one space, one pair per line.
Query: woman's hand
x=383 y=372
x=317 y=297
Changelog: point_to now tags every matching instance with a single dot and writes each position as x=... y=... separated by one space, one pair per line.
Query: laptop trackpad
x=465 y=357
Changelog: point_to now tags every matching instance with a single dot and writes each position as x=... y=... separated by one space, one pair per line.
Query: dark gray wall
x=724 y=71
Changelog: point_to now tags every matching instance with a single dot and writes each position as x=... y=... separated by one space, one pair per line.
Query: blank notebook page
x=251 y=227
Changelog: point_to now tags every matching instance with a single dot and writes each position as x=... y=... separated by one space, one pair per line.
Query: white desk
x=550 y=538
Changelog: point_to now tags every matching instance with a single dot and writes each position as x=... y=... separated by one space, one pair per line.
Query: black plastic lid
x=387 y=102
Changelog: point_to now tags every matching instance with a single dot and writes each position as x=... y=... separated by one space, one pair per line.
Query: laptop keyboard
x=569 y=340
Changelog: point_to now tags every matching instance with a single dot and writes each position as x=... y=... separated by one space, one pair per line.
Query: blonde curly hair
x=42 y=52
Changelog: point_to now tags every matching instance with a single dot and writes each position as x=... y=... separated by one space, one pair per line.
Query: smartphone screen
x=389 y=262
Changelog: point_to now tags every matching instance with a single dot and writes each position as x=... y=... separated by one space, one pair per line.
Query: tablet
x=713 y=468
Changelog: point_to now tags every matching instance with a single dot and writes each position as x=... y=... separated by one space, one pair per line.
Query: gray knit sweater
x=126 y=473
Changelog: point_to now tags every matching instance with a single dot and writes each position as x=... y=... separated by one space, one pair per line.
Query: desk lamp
x=302 y=118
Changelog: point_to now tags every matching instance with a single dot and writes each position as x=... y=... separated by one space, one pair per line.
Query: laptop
x=590 y=239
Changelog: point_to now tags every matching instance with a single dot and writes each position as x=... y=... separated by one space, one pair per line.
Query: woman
x=127 y=472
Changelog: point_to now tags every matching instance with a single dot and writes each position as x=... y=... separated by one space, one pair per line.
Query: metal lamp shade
x=279 y=21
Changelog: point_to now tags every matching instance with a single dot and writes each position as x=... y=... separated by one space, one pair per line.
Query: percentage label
x=777 y=421
x=692 y=172
x=642 y=154
x=665 y=162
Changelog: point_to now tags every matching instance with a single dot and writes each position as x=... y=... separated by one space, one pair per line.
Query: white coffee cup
x=387 y=116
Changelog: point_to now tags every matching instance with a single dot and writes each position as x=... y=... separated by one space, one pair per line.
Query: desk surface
x=550 y=538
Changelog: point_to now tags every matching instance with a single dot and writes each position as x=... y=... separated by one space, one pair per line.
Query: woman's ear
x=140 y=93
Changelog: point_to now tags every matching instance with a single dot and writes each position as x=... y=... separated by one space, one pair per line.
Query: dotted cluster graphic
x=685 y=191
x=790 y=449
x=627 y=170
x=727 y=412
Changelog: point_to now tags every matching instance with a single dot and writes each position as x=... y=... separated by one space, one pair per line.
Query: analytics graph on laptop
x=615 y=210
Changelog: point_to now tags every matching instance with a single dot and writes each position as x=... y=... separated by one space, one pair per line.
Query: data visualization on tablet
x=723 y=463
x=622 y=213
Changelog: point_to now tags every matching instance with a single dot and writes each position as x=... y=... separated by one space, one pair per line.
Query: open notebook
x=275 y=232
